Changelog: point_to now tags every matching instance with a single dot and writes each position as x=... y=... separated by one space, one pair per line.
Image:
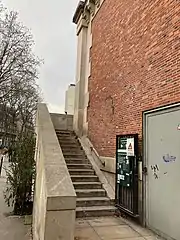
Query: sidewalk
x=111 y=228
x=11 y=227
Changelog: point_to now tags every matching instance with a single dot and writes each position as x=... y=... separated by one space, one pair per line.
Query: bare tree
x=17 y=62
x=18 y=70
x=19 y=95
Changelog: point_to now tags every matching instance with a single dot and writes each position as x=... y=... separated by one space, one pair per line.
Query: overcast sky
x=54 y=33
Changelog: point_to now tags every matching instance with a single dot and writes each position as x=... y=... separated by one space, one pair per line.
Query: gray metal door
x=162 y=158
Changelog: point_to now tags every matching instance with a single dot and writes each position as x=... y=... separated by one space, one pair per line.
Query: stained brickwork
x=135 y=66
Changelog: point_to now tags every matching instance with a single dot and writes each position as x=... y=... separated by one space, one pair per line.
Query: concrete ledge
x=55 y=196
x=108 y=180
x=109 y=164
x=62 y=121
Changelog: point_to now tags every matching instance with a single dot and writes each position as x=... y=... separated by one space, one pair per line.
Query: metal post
x=1 y=165
x=66 y=121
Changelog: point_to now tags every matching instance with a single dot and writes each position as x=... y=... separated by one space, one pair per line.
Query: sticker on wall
x=118 y=178
x=122 y=177
x=168 y=158
x=130 y=147
x=178 y=127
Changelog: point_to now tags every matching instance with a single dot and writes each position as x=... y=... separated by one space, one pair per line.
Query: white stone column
x=80 y=75
x=83 y=18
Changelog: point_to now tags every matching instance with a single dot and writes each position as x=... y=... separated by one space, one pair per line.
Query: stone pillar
x=80 y=75
x=84 y=14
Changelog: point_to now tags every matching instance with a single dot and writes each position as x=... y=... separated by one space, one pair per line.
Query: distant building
x=69 y=99
x=8 y=125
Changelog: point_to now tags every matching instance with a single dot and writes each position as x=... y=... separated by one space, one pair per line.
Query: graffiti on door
x=155 y=170
x=168 y=158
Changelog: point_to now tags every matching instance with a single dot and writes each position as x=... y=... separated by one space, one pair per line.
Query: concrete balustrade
x=55 y=197
x=62 y=121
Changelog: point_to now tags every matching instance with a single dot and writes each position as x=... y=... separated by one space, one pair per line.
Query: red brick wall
x=135 y=66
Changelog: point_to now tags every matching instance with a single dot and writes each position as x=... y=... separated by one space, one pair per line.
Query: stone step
x=73 y=146
x=94 y=201
x=62 y=136
x=74 y=155
x=77 y=161
x=96 y=211
x=67 y=141
x=70 y=145
x=59 y=131
x=87 y=185
x=75 y=150
x=81 y=171
x=79 y=166
x=66 y=136
x=84 y=193
x=84 y=178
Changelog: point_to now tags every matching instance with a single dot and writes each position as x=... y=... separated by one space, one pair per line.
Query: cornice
x=86 y=10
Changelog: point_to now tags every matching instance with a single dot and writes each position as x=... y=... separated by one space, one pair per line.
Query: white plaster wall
x=70 y=100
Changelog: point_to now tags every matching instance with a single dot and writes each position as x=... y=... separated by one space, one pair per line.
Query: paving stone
x=112 y=228
x=155 y=237
x=82 y=223
x=134 y=238
x=116 y=232
x=85 y=233
x=141 y=230
x=105 y=221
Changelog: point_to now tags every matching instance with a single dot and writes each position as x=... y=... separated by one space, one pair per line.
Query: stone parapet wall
x=62 y=121
x=55 y=198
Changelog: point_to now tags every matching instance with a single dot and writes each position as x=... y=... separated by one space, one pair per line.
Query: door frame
x=145 y=115
x=134 y=212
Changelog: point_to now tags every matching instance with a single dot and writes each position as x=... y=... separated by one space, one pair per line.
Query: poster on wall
x=130 y=147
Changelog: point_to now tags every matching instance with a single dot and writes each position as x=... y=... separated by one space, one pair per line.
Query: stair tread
x=96 y=208
x=93 y=199
x=90 y=190
x=82 y=169
x=78 y=161
x=84 y=176
x=70 y=161
x=79 y=158
x=78 y=164
x=86 y=183
x=65 y=147
x=74 y=154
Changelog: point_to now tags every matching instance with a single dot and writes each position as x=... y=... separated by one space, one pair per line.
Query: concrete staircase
x=92 y=199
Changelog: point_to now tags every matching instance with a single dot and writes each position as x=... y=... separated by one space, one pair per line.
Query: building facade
x=131 y=64
x=128 y=62
x=69 y=99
